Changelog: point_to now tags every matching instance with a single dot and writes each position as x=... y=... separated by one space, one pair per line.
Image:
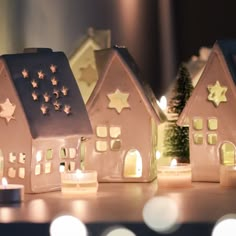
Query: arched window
x=227 y=154
x=133 y=164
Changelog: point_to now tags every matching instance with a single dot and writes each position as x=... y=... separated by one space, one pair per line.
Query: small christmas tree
x=176 y=143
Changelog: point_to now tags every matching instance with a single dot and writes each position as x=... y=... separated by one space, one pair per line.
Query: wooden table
x=122 y=203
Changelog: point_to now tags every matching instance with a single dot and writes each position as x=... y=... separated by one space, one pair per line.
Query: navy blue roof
x=228 y=48
x=55 y=122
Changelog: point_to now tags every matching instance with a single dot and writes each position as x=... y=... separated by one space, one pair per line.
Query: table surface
x=115 y=202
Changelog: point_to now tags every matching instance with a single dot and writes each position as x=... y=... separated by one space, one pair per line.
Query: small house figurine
x=82 y=60
x=124 y=116
x=38 y=130
x=211 y=116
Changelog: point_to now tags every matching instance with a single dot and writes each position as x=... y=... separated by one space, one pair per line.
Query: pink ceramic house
x=42 y=119
x=210 y=114
x=124 y=117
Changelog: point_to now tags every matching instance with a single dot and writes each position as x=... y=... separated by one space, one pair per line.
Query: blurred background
x=160 y=34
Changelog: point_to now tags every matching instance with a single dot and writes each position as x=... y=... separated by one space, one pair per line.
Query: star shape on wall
x=118 y=100
x=217 y=93
x=7 y=110
x=25 y=73
x=53 y=68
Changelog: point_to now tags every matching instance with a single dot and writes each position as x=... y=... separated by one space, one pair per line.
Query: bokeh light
x=161 y=214
x=67 y=225
x=225 y=226
x=118 y=231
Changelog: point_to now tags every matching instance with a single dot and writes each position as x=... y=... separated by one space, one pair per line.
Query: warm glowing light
x=67 y=225
x=4 y=182
x=225 y=226
x=173 y=163
x=38 y=156
x=119 y=231
x=161 y=214
x=61 y=168
x=158 y=155
x=163 y=103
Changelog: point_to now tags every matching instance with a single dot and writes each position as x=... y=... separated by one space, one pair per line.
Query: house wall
x=205 y=158
x=135 y=124
x=15 y=136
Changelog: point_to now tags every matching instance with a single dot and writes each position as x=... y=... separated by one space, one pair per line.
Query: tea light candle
x=177 y=175
x=228 y=176
x=11 y=193
x=79 y=181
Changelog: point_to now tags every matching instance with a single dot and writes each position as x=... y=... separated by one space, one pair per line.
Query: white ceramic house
x=82 y=60
x=211 y=116
x=42 y=119
x=124 y=116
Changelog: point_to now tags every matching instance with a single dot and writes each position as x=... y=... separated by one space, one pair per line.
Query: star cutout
x=64 y=90
x=54 y=81
x=67 y=109
x=7 y=110
x=44 y=109
x=88 y=75
x=118 y=100
x=34 y=83
x=217 y=93
x=53 y=68
x=46 y=97
x=41 y=75
x=34 y=96
x=25 y=73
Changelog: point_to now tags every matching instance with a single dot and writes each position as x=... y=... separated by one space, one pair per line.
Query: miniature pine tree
x=176 y=142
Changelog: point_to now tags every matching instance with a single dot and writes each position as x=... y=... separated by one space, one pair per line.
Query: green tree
x=176 y=142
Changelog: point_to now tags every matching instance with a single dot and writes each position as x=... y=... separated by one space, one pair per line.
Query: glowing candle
x=11 y=193
x=79 y=181
x=228 y=176
x=176 y=175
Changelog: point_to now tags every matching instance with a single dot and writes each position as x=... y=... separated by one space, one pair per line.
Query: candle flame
x=163 y=103
x=158 y=155
x=4 y=182
x=173 y=163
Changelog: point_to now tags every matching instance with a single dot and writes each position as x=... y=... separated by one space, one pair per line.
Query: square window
x=37 y=170
x=101 y=131
x=22 y=157
x=21 y=172
x=115 y=145
x=101 y=146
x=212 y=124
x=47 y=167
x=115 y=132
x=212 y=139
x=197 y=123
x=12 y=157
x=11 y=172
x=198 y=138
x=49 y=154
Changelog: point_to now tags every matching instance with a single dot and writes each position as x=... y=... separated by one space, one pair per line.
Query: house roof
x=226 y=49
x=103 y=58
x=48 y=76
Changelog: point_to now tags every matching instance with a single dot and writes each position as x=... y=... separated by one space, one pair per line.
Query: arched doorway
x=133 y=164
x=227 y=153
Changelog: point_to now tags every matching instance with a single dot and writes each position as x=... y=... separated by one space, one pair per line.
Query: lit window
x=115 y=132
x=115 y=145
x=12 y=157
x=39 y=155
x=72 y=152
x=37 y=170
x=227 y=154
x=101 y=131
x=22 y=157
x=21 y=173
x=101 y=146
x=212 y=124
x=49 y=154
x=47 y=167
x=198 y=138
x=197 y=124
x=11 y=172
x=212 y=139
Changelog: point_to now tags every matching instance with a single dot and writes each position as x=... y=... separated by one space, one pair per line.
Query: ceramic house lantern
x=124 y=117
x=82 y=60
x=41 y=121
x=210 y=114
